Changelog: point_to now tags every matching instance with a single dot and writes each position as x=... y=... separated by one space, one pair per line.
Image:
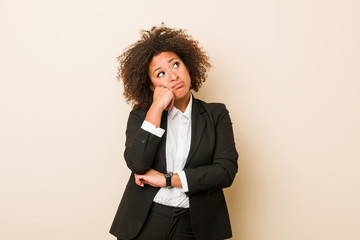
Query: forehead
x=162 y=59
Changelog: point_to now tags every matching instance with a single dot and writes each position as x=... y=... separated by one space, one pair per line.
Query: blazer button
x=143 y=141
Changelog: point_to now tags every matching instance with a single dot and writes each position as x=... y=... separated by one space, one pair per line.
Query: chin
x=182 y=95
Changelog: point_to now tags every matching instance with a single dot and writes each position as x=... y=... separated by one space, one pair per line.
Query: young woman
x=180 y=150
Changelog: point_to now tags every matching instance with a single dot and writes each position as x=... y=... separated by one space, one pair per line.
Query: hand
x=151 y=177
x=163 y=97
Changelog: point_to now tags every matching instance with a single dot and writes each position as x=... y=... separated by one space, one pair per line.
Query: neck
x=181 y=104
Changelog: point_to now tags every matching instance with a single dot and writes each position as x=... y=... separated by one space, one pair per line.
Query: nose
x=173 y=76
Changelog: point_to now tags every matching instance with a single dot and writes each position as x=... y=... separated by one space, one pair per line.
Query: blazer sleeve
x=140 y=145
x=223 y=168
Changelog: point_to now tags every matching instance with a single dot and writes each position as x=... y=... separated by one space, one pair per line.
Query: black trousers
x=166 y=223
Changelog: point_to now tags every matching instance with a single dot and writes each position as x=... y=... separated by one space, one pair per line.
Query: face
x=168 y=70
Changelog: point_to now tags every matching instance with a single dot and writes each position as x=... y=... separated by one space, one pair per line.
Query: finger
x=171 y=104
x=138 y=180
x=163 y=94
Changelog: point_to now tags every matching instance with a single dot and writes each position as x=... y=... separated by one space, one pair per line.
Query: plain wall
x=288 y=71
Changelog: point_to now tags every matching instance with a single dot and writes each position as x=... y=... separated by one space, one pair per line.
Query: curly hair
x=135 y=61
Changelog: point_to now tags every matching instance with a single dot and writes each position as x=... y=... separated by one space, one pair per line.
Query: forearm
x=156 y=179
x=154 y=114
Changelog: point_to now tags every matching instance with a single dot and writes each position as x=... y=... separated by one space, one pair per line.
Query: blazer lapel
x=162 y=145
x=198 y=123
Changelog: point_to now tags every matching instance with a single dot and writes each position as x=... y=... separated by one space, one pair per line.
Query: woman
x=180 y=150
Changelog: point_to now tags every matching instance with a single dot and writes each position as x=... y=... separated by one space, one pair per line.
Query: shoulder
x=137 y=114
x=138 y=111
x=214 y=110
x=212 y=107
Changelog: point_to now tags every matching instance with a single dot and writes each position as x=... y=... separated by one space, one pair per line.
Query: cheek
x=154 y=82
x=160 y=83
x=185 y=73
x=187 y=76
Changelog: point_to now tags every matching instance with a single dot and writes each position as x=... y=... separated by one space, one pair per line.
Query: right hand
x=152 y=178
x=163 y=98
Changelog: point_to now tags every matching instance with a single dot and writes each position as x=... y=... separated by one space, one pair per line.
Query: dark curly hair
x=135 y=61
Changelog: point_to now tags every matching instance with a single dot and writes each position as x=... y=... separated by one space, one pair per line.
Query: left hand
x=151 y=177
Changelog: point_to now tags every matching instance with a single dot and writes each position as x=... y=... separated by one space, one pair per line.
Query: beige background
x=287 y=70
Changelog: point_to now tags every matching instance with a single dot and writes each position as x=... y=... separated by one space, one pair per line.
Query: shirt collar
x=187 y=113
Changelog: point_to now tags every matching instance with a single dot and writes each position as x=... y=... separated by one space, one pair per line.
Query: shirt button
x=184 y=119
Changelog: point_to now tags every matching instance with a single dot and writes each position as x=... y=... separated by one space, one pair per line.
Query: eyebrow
x=168 y=62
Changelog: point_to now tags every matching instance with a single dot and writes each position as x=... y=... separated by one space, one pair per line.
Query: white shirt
x=178 y=140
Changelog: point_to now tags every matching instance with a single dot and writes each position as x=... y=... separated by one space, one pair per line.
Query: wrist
x=153 y=115
x=168 y=178
x=157 y=106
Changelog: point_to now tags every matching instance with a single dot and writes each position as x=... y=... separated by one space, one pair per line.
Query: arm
x=141 y=145
x=156 y=179
x=222 y=171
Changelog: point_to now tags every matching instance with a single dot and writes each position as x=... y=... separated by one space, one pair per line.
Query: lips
x=178 y=85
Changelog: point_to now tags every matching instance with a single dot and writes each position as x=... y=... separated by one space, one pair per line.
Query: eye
x=160 y=74
x=176 y=64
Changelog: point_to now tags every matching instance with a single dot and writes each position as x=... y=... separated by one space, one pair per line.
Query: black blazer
x=211 y=166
